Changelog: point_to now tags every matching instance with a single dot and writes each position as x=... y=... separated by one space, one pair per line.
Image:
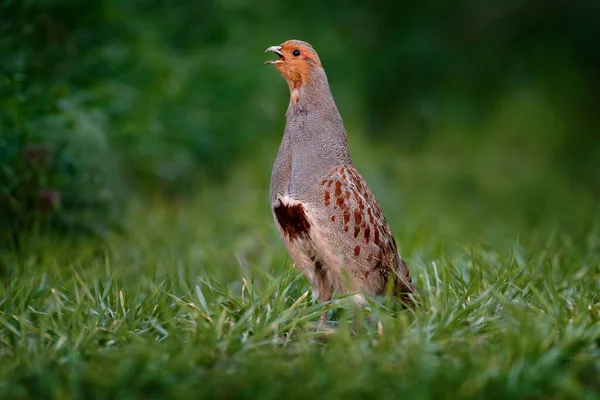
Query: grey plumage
x=328 y=218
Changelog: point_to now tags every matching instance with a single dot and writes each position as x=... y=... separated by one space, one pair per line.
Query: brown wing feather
x=371 y=247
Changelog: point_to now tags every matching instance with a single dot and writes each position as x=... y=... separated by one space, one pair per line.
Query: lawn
x=197 y=298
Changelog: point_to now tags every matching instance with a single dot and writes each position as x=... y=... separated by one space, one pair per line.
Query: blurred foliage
x=151 y=96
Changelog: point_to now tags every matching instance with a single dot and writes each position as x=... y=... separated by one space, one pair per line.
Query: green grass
x=198 y=299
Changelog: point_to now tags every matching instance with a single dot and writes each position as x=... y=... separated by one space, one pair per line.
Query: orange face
x=296 y=60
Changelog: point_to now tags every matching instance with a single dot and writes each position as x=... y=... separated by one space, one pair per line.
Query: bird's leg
x=322 y=321
x=325 y=293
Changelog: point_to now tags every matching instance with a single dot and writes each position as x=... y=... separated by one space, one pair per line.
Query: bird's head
x=296 y=60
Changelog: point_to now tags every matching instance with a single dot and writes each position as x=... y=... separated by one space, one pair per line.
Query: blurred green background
x=466 y=112
x=138 y=254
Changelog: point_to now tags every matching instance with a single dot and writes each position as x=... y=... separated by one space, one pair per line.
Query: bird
x=327 y=216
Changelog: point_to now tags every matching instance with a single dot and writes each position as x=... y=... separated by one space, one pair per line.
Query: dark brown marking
x=346 y=194
x=371 y=220
x=357 y=217
x=357 y=250
x=359 y=186
x=329 y=183
x=392 y=246
x=355 y=194
x=340 y=202
x=367 y=234
x=323 y=182
x=346 y=218
x=333 y=218
x=326 y=198
x=338 y=189
x=292 y=220
x=370 y=257
x=319 y=267
x=376 y=236
x=356 y=231
x=361 y=205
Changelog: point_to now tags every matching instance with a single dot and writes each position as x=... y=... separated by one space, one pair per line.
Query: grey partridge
x=326 y=214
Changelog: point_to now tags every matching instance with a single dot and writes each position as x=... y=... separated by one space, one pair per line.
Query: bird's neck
x=312 y=90
x=313 y=122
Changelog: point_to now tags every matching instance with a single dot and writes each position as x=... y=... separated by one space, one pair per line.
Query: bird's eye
x=296 y=53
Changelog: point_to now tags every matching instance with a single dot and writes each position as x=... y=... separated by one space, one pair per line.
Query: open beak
x=276 y=50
